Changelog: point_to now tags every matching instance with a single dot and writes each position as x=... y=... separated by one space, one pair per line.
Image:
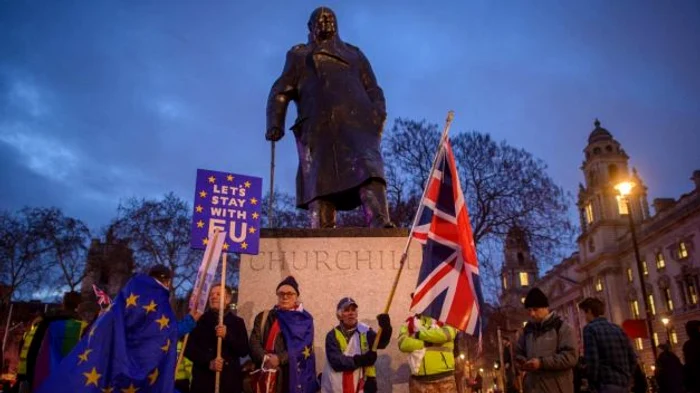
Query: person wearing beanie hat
x=282 y=339
x=546 y=349
x=349 y=354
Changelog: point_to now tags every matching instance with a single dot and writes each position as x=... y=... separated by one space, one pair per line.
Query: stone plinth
x=330 y=264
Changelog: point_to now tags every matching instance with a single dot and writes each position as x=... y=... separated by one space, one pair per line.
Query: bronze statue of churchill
x=340 y=116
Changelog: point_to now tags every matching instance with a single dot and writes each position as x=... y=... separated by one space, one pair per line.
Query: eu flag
x=297 y=328
x=130 y=348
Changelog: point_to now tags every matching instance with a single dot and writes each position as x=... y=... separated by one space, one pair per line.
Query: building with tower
x=605 y=266
x=519 y=271
x=109 y=266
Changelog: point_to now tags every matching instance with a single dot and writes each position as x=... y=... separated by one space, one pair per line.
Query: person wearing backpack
x=546 y=349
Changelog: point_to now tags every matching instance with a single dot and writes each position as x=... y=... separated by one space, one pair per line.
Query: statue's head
x=322 y=24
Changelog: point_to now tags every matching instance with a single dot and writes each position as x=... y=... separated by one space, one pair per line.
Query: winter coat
x=257 y=348
x=691 y=357
x=340 y=116
x=669 y=373
x=553 y=342
x=201 y=350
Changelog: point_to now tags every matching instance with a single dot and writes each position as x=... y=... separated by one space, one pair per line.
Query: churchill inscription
x=329 y=260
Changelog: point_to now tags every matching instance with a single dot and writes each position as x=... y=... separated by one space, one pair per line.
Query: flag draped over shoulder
x=448 y=287
x=130 y=348
x=60 y=338
x=297 y=328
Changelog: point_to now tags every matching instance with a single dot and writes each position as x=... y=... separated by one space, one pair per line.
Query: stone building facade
x=605 y=264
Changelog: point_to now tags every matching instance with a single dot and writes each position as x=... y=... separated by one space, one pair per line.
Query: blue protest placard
x=232 y=203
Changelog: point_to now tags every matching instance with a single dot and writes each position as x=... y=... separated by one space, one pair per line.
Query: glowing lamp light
x=625 y=188
x=665 y=321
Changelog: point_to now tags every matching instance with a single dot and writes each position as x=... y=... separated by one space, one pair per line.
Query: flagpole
x=419 y=212
x=195 y=297
x=222 y=295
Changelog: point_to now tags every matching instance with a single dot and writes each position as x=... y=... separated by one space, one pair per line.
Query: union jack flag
x=102 y=297
x=448 y=288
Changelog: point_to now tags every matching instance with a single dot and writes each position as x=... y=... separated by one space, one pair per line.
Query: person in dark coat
x=268 y=344
x=691 y=357
x=340 y=117
x=669 y=371
x=201 y=348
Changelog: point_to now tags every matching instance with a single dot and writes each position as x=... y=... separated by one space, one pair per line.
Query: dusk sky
x=104 y=100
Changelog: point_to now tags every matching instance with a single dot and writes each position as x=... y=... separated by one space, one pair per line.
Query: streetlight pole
x=665 y=321
x=625 y=189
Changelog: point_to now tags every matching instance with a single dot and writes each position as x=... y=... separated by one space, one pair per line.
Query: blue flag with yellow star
x=298 y=331
x=130 y=348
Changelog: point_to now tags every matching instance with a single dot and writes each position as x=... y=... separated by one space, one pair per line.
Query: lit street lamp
x=625 y=189
x=665 y=321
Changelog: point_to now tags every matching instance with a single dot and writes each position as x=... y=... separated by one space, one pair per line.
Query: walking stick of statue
x=419 y=212
x=270 y=213
x=195 y=298
x=222 y=295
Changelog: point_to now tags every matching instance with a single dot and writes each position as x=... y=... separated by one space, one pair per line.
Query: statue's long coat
x=340 y=116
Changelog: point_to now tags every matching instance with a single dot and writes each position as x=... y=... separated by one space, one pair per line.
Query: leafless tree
x=65 y=240
x=21 y=252
x=285 y=212
x=159 y=233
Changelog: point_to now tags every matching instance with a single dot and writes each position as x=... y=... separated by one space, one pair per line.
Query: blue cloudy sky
x=103 y=100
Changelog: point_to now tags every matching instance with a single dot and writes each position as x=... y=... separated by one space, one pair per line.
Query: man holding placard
x=202 y=348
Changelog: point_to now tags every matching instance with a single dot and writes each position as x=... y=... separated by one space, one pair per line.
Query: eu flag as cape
x=297 y=328
x=130 y=348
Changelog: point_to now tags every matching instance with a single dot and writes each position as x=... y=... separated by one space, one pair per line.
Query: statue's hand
x=274 y=134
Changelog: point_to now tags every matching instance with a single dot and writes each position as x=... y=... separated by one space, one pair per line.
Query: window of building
x=505 y=282
x=630 y=275
x=660 y=262
x=682 y=250
x=524 y=279
x=622 y=206
x=692 y=292
x=521 y=258
x=652 y=306
x=589 y=213
x=640 y=344
x=674 y=336
x=656 y=339
x=645 y=270
x=668 y=299
x=599 y=284
x=634 y=309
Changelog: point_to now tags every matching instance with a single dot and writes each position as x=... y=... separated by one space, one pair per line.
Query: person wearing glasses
x=282 y=340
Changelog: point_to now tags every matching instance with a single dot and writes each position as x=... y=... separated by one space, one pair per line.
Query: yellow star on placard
x=152 y=377
x=255 y=215
x=166 y=347
x=251 y=230
x=130 y=389
x=212 y=179
x=253 y=201
x=306 y=352
x=199 y=208
x=92 y=378
x=247 y=184
x=229 y=177
x=203 y=194
x=163 y=322
x=131 y=300
x=84 y=356
x=200 y=224
x=205 y=241
x=244 y=245
x=151 y=307
x=225 y=246
x=108 y=389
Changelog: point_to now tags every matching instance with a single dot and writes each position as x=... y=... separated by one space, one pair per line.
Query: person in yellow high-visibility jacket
x=430 y=346
x=183 y=374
